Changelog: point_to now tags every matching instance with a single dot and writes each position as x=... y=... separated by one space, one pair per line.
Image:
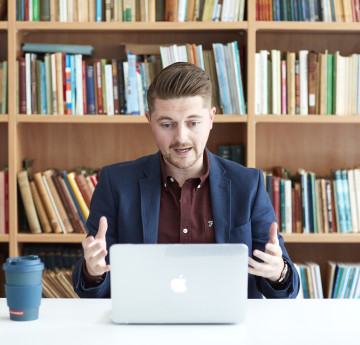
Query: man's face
x=181 y=129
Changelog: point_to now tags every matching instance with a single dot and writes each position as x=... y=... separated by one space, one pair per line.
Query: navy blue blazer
x=128 y=195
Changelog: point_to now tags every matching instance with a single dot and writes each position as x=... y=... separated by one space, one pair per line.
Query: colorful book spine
x=78 y=195
x=68 y=84
x=132 y=93
x=121 y=87
x=99 y=92
x=90 y=90
x=283 y=88
x=73 y=86
x=64 y=174
x=83 y=79
x=98 y=10
x=43 y=89
x=79 y=104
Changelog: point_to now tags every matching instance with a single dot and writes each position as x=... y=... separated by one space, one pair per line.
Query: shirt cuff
x=89 y=280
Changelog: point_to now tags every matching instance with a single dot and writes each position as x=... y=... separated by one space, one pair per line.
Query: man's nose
x=181 y=133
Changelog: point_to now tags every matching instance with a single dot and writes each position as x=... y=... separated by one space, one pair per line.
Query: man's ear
x=147 y=114
x=212 y=115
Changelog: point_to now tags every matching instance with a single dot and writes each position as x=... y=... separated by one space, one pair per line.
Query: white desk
x=85 y=321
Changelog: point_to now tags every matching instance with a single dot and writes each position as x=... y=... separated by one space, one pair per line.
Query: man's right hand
x=95 y=250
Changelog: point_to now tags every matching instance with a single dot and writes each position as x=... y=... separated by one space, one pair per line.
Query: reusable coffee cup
x=23 y=287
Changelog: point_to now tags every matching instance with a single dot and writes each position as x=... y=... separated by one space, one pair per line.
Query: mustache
x=180 y=146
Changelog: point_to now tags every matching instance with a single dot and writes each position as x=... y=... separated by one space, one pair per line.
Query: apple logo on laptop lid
x=178 y=285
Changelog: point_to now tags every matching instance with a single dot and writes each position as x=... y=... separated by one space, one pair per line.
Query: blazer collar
x=220 y=195
x=150 y=193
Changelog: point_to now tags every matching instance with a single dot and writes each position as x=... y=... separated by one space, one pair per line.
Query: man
x=184 y=194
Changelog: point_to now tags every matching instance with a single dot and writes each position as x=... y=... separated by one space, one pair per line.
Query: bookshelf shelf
x=4 y=118
x=321 y=238
x=3 y=25
x=135 y=26
x=4 y=238
x=230 y=118
x=326 y=119
x=50 y=238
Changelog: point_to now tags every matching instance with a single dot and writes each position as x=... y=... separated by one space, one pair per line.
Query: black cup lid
x=23 y=264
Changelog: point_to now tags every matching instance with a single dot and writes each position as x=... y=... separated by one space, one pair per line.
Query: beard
x=182 y=162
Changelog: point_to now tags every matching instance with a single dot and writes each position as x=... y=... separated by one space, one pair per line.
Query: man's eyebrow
x=169 y=118
x=164 y=117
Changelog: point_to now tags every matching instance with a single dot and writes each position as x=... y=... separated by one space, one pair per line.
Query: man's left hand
x=272 y=262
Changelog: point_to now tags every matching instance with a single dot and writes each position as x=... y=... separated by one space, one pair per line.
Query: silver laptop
x=178 y=283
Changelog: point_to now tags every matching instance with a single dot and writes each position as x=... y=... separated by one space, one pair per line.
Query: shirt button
x=185 y=231
x=198 y=186
x=171 y=179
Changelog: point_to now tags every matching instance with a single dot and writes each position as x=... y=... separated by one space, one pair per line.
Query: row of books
x=344 y=280
x=130 y=10
x=59 y=262
x=308 y=10
x=4 y=201
x=233 y=152
x=307 y=204
x=228 y=70
x=3 y=87
x=57 y=202
x=307 y=82
x=310 y=280
x=61 y=83
x=61 y=256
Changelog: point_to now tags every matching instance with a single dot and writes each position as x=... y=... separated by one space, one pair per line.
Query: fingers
x=103 y=226
x=96 y=265
x=273 y=233
x=95 y=250
x=270 y=268
x=93 y=247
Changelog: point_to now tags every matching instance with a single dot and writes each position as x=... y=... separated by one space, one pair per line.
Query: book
x=45 y=198
x=171 y=10
x=78 y=195
x=84 y=188
x=90 y=90
x=64 y=174
x=61 y=224
x=57 y=48
x=28 y=201
x=48 y=174
x=69 y=205
x=303 y=81
x=312 y=79
x=44 y=220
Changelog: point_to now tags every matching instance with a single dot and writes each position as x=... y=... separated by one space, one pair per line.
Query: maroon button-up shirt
x=185 y=212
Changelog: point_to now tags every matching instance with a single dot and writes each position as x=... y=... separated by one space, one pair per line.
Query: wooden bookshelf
x=316 y=143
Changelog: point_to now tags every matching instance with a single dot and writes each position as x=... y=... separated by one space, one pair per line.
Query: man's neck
x=181 y=175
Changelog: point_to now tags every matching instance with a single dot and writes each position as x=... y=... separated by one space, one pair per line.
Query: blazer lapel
x=150 y=192
x=220 y=200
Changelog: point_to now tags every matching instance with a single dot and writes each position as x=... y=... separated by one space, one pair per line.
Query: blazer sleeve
x=102 y=204
x=263 y=209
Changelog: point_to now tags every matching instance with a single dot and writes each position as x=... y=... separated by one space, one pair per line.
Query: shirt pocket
x=242 y=234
